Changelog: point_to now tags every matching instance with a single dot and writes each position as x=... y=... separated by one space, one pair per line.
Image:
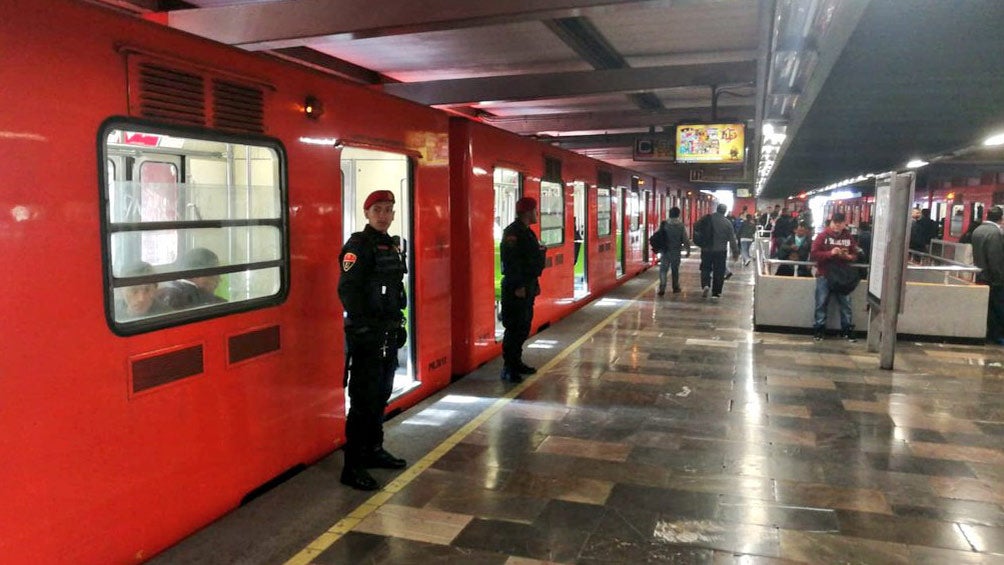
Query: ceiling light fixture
x=916 y=163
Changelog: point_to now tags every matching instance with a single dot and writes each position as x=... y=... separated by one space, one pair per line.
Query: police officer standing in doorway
x=371 y=289
x=522 y=263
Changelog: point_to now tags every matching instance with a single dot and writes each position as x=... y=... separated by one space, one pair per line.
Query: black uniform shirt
x=371 y=287
x=522 y=258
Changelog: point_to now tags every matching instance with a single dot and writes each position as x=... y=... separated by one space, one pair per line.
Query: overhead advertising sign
x=654 y=148
x=710 y=143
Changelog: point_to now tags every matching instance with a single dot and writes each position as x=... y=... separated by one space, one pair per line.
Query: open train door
x=363 y=171
x=580 y=208
x=508 y=187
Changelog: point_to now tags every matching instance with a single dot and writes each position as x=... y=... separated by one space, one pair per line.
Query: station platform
x=664 y=430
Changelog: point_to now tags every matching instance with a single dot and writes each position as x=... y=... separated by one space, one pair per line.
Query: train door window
x=579 y=237
x=194 y=227
x=619 y=208
x=552 y=213
x=955 y=226
x=364 y=171
x=603 y=212
x=508 y=187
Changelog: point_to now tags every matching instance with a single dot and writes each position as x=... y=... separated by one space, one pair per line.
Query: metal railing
x=951 y=269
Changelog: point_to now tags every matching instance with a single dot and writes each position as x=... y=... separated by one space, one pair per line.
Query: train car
x=958 y=203
x=140 y=160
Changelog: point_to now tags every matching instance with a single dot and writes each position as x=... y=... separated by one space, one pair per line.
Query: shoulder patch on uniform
x=511 y=239
x=348 y=261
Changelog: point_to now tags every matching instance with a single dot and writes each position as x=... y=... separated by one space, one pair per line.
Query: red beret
x=524 y=205
x=378 y=196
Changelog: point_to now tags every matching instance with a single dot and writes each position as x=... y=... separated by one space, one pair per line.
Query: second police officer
x=371 y=289
x=522 y=263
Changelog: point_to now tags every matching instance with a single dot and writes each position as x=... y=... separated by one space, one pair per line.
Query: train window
x=603 y=212
x=194 y=227
x=552 y=213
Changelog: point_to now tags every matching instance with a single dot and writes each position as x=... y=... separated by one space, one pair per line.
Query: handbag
x=841 y=277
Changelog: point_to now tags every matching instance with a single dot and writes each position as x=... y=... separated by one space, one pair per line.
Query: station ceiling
x=856 y=86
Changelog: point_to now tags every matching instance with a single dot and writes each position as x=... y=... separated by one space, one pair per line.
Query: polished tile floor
x=664 y=430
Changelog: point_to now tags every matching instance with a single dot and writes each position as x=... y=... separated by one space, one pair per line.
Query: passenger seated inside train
x=194 y=291
x=138 y=301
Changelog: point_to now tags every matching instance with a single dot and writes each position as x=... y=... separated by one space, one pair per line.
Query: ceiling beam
x=288 y=23
x=575 y=83
x=529 y=125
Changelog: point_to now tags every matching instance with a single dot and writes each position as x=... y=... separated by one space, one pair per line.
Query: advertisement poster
x=710 y=143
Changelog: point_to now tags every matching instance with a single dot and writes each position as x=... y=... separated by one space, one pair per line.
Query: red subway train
x=139 y=158
x=956 y=200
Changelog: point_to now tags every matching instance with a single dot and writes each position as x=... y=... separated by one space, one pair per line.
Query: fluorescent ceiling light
x=916 y=164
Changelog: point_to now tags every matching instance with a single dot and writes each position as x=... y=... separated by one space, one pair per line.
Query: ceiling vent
x=181 y=93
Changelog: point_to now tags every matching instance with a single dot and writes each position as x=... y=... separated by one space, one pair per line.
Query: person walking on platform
x=371 y=289
x=746 y=234
x=676 y=242
x=833 y=248
x=522 y=263
x=988 y=255
x=714 y=252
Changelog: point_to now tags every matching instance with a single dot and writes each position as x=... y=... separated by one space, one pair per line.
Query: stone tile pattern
x=676 y=434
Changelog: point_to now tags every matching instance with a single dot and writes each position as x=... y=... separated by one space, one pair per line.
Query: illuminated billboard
x=710 y=143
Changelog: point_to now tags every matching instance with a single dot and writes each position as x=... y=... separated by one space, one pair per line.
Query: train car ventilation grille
x=171 y=95
x=238 y=107
x=173 y=91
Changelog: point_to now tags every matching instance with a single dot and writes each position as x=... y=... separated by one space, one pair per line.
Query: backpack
x=658 y=240
x=841 y=277
x=703 y=236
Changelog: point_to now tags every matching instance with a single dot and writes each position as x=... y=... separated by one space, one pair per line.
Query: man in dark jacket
x=676 y=241
x=834 y=244
x=371 y=289
x=923 y=230
x=988 y=255
x=714 y=253
x=522 y=263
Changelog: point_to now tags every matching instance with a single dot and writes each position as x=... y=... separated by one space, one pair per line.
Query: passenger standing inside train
x=834 y=244
x=522 y=263
x=676 y=242
x=371 y=289
x=714 y=253
x=988 y=255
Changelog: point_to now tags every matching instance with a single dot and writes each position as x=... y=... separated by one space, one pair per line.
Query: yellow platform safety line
x=348 y=523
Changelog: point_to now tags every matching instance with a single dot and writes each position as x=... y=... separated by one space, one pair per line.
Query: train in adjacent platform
x=137 y=156
x=956 y=200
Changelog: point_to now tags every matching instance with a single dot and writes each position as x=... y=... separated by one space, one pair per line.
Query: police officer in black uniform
x=522 y=263
x=371 y=289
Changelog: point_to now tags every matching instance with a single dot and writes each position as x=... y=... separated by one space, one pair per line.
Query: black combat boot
x=359 y=478
x=381 y=459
